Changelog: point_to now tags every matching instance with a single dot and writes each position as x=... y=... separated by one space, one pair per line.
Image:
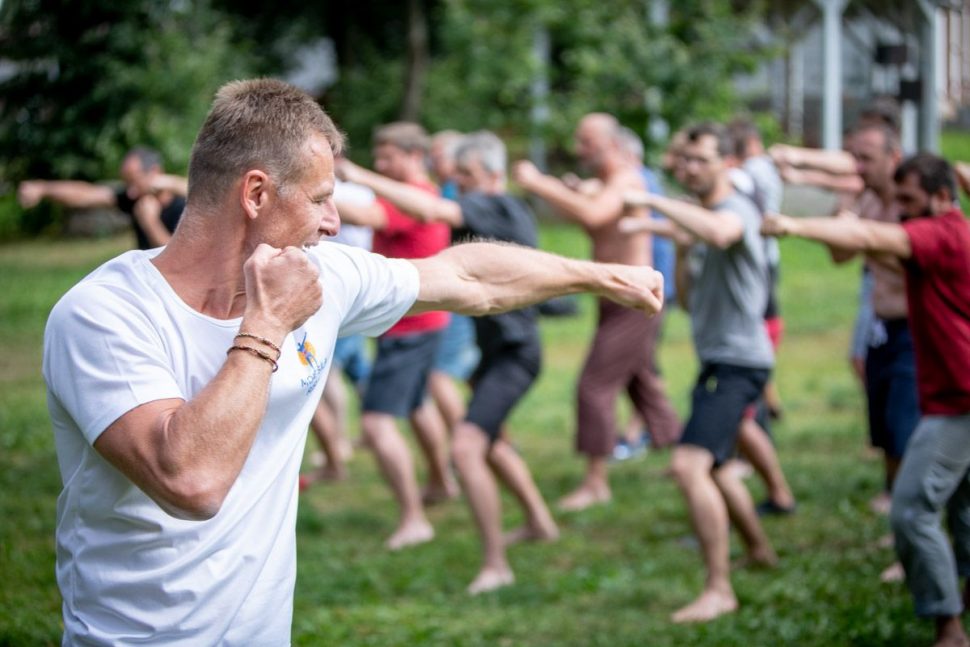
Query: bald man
x=621 y=355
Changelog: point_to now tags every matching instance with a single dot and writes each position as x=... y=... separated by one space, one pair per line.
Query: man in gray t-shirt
x=723 y=278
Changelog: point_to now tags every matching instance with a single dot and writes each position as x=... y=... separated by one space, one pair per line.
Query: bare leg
x=447 y=397
x=335 y=397
x=757 y=447
x=325 y=429
x=594 y=489
x=741 y=510
x=469 y=450
x=691 y=467
x=394 y=459
x=433 y=440
x=772 y=399
x=515 y=474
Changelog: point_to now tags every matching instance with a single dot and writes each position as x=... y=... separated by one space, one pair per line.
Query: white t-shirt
x=129 y=572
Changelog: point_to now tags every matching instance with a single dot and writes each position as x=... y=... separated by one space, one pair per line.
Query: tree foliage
x=92 y=78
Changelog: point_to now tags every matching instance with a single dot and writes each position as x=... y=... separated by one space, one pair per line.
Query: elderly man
x=181 y=382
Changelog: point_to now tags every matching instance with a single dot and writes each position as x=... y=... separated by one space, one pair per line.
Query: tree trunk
x=417 y=61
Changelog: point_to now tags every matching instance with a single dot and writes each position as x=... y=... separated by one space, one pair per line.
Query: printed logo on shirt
x=308 y=357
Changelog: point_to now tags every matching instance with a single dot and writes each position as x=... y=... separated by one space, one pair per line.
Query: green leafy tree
x=92 y=78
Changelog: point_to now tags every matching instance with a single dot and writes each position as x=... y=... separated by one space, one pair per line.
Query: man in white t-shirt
x=181 y=381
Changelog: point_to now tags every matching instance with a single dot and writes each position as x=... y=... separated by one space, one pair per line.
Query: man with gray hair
x=621 y=354
x=181 y=381
x=509 y=343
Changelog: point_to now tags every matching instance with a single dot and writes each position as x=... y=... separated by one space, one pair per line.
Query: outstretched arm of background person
x=71 y=193
x=852 y=234
x=850 y=184
x=364 y=215
x=186 y=455
x=829 y=161
x=415 y=202
x=718 y=228
x=176 y=184
x=658 y=227
x=148 y=214
x=486 y=278
x=589 y=211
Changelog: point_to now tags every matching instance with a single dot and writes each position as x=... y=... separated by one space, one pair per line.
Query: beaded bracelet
x=257 y=353
x=262 y=340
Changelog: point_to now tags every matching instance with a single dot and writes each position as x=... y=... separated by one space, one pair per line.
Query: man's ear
x=941 y=201
x=254 y=193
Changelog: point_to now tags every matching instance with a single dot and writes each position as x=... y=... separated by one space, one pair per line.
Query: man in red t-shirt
x=406 y=352
x=933 y=243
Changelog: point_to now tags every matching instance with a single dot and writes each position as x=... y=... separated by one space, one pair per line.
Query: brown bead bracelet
x=261 y=340
x=257 y=353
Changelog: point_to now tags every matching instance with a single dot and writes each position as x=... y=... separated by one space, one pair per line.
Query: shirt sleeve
x=373 y=291
x=929 y=242
x=103 y=358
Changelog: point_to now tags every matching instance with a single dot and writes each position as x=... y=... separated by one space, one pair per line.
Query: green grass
x=618 y=571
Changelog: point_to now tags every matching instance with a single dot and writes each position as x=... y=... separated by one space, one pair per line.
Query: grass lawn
x=618 y=571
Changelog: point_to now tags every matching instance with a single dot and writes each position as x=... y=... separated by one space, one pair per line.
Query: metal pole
x=832 y=60
x=539 y=91
x=929 y=46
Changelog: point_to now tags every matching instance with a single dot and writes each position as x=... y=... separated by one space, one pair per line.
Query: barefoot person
x=511 y=351
x=181 y=381
x=620 y=357
x=405 y=354
x=724 y=282
x=933 y=244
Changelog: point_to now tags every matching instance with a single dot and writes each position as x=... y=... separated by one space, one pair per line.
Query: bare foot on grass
x=893 y=573
x=533 y=532
x=410 y=534
x=489 y=579
x=584 y=497
x=708 y=606
x=433 y=495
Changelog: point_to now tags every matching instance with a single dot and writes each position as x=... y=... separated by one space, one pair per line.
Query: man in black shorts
x=724 y=279
x=153 y=200
x=511 y=351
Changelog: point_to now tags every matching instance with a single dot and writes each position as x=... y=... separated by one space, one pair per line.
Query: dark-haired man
x=933 y=244
x=723 y=280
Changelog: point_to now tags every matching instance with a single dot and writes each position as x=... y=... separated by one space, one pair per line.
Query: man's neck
x=208 y=278
x=722 y=189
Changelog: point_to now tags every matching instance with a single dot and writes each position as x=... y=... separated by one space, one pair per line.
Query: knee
x=907 y=514
x=685 y=467
x=373 y=428
x=469 y=446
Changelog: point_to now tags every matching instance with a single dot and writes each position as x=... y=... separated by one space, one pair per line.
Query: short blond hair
x=255 y=124
x=406 y=135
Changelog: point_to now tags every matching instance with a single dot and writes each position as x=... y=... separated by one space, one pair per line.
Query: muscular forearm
x=485 y=278
x=845 y=234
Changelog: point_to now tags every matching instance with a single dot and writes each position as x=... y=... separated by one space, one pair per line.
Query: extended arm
x=71 y=193
x=829 y=161
x=851 y=234
x=415 y=202
x=838 y=183
x=658 y=227
x=176 y=184
x=186 y=455
x=589 y=211
x=486 y=278
x=719 y=228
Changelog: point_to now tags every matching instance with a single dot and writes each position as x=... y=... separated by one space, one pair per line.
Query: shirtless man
x=619 y=357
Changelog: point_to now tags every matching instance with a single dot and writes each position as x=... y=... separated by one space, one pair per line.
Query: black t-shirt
x=507 y=219
x=170 y=215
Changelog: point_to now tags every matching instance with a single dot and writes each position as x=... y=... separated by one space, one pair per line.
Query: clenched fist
x=282 y=291
x=635 y=286
x=30 y=193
